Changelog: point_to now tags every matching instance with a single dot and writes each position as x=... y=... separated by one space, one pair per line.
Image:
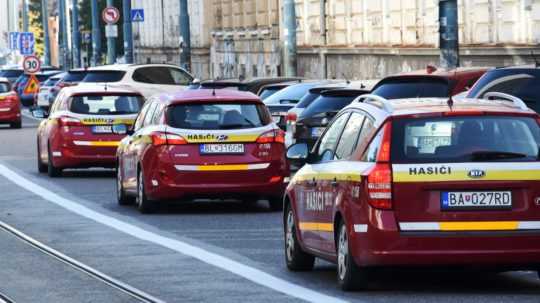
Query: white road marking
x=252 y=274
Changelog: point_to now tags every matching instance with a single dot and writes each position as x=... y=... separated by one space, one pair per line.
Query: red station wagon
x=10 y=105
x=418 y=182
x=85 y=126
x=202 y=144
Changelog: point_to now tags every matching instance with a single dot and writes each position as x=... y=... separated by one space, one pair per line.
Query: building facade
x=354 y=39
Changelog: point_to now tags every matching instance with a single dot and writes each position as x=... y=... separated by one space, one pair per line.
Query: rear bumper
x=84 y=157
x=381 y=243
x=9 y=115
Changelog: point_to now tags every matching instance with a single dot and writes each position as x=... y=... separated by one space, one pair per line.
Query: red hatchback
x=418 y=182
x=85 y=126
x=202 y=144
x=10 y=106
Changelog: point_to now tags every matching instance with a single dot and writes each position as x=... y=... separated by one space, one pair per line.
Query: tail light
x=160 y=138
x=291 y=118
x=379 y=180
x=69 y=121
x=273 y=136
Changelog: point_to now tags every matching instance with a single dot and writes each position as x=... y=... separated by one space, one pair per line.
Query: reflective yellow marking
x=222 y=167
x=98 y=143
x=462 y=175
x=316 y=226
x=478 y=226
x=214 y=138
x=106 y=121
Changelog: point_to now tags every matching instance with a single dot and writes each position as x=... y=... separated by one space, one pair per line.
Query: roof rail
x=497 y=95
x=384 y=103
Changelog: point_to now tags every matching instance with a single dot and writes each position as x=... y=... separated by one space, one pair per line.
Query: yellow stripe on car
x=106 y=121
x=223 y=167
x=316 y=226
x=211 y=138
x=470 y=226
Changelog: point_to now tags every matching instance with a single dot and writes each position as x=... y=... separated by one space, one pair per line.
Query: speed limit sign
x=31 y=64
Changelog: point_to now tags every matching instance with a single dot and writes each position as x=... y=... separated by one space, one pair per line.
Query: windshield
x=103 y=76
x=325 y=104
x=106 y=104
x=413 y=87
x=73 y=76
x=465 y=139
x=4 y=87
x=522 y=83
x=217 y=116
x=291 y=94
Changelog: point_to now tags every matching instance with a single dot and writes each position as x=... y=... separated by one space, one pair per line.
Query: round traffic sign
x=110 y=15
x=31 y=64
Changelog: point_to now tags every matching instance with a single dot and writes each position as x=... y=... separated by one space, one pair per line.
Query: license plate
x=102 y=129
x=476 y=200
x=316 y=132
x=222 y=148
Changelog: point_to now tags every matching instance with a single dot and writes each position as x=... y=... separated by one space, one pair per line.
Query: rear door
x=466 y=172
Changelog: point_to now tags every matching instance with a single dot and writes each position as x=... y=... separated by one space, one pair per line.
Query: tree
x=35 y=25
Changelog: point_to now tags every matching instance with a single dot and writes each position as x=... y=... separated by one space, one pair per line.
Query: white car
x=148 y=79
x=44 y=90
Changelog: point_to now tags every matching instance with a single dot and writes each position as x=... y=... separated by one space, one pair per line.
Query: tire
x=144 y=205
x=350 y=276
x=295 y=257
x=52 y=171
x=121 y=196
x=275 y=203
x=42 y=168
x=16 y=125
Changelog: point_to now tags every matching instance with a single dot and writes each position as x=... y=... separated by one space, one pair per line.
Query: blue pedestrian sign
x=137 y=15
x=26 y=43
x=13 y=40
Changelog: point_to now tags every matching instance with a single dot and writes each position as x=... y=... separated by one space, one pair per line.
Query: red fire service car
x=85 y=126
x=10 y=106
x=418 y=182
x=199 y=144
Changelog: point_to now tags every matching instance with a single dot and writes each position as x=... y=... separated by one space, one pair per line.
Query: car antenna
x=536 y=62
x=346 y=79
x=214 y=91
x=105 y=86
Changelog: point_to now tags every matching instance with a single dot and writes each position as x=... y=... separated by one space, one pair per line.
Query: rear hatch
x=97 y=122
x=223 y=140
x=466 y=173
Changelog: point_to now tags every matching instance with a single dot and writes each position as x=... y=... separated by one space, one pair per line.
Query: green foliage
x=35 y=25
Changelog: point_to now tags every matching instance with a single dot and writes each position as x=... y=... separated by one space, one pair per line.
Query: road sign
x=32 y=86
x=14 y=40
x=137 y=15
x=26 y=43
x=111 y=31
x=31 y=64
x=110 y=15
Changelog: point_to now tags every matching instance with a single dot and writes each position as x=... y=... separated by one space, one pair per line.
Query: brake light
x=69 y=121
x=379 y=186
x=292 y=117
x=273 y=136
x=160 y=138
x=379 y=180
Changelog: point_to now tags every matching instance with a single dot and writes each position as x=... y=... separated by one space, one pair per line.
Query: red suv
x=202 y=144
x=417 y=182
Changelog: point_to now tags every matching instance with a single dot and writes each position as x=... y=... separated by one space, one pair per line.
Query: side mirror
x=39 y=113
x=298 y=154
x=130 y=130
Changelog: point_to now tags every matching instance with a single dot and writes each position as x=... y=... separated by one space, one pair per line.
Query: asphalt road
x=207 y=251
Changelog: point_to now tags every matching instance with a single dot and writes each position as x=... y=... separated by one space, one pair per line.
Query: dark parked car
x=71 y=78
x=520 y=81
x=270 y=89
x=22 y=81
x=313 y=120
x=252 y=85
x=428 y=83
x=12 y=74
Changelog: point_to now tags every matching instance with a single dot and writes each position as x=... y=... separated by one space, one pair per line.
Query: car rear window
x=465 y=139
x=522 y=83
x=325 y=104
x=307 y=99
x=106 y=104
x=267 y=92
x=11 y=73
x=103 y=76
x=413 y=87
x=4 y=87
x=51 y=82
x=217 y=116
x=74 y=76
x=291 y=94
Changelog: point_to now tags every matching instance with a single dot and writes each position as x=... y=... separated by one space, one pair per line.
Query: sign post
x=111 y=15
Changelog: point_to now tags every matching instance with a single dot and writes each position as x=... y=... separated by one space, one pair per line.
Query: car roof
x=344 y=92
x=3 y=79
x=97 y=88
x=443 y=73
x=419 y=106
x=528 y=66
x=125 y=67
x=209 y=95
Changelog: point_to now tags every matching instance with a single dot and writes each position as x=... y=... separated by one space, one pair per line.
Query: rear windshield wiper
x=496 y=155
